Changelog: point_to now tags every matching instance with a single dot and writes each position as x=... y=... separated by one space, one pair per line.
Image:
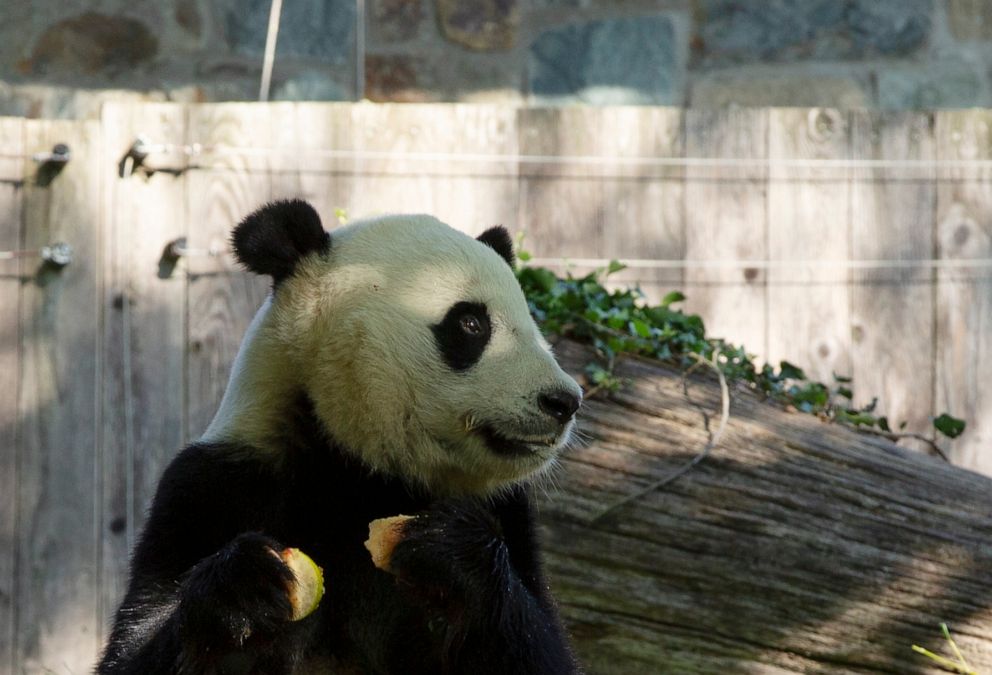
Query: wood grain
x=58 y=626
x=726 y=216
x=222 y=298
x=11 y=173
x=892 y=310
x=144 y=332
x=308 y=131
x=562 y=204
x=470 y=195
x=808 y=308
x=964 y=297
x=632 y=209
x=797 y=546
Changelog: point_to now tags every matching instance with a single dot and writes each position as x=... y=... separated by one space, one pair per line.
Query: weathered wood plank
x=562 y=204
x=643 y=205
x=797 y=546
x=471 y=192
x=964 y=296
x=633 y=208
x=808 y=208
x=312 y=132
x=143 y=314
x=892 y=310
x=57 y=593
x=222 y=298
x=11 y=173
x=726 y=214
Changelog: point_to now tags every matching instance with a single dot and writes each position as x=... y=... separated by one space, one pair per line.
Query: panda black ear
x=498 y=239
x=274 y=238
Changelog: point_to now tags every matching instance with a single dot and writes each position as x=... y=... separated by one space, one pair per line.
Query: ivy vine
x=617 y=322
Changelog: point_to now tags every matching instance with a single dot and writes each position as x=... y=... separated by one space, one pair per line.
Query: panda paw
x=452 y=551
x=240 y=592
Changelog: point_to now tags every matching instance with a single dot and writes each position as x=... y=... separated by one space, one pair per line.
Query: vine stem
x=897 y=436
x=685 y=468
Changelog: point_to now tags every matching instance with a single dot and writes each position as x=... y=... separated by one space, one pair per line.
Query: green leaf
x=883 y=424
x=614 y=267
x=951 y=427
x=640 y=328
x=845 y=392
x=843 y=379
x=523 y=256
x=541 y=278
x=672 y=298
x=791 y=372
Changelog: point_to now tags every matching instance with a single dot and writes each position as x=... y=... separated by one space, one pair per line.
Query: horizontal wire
x=947 y=263
x=198 y=150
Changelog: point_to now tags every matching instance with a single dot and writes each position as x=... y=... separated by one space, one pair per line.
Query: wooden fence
x=109 y=365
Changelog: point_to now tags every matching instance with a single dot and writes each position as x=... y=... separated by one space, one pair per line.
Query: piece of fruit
x=308 y=588
x=384 y=534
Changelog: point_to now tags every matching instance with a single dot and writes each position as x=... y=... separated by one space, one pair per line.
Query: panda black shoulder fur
x=394 y=369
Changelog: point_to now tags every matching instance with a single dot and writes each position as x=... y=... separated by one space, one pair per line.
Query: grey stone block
x=617 y=61
x=970 y=19
x=311 y=85
x=320 y=29
x=791 y=89
x=944 y=84
x=742 y=31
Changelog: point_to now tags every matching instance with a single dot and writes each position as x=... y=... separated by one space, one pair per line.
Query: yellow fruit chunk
x=308 y=588
x=384 y=534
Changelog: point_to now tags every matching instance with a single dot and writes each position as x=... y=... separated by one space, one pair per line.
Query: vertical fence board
x=633 y=208
x=726 y=214
x=470 y=192
x=892 y=309
x=808 y=310
x=11 y=173
x=309 y=171
x=561 y=203
x=643 y=205
x=57 y=550
x=222 y=298
x=144 y=330
x=964 y=296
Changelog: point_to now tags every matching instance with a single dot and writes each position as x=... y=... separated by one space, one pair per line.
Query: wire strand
x=197 y=150
x=923 y=263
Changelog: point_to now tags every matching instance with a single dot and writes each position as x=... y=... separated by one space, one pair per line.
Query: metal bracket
x=59 y=154
x=58 y=254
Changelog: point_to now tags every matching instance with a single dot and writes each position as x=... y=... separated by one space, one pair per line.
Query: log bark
x=797 y=545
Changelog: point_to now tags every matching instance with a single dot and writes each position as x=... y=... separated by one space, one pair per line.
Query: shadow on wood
x=797 y=546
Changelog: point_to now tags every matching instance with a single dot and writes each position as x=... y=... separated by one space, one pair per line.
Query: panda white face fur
x=414 y=343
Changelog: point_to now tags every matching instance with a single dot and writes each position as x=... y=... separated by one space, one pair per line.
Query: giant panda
x=393 y=369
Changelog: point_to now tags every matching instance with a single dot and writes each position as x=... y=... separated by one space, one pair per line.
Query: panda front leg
x=457 y=556
x=228 y=614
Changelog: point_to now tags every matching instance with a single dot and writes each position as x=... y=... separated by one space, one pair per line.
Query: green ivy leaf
x=951 y=427
x=791 y=372
x=614 y=267
x=640 y=328
x=672 y=298
x=523 y=256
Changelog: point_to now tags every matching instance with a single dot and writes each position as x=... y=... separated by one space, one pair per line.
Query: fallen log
x=797 y=545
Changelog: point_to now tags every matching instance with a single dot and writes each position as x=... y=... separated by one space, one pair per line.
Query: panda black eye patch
x=463 y=334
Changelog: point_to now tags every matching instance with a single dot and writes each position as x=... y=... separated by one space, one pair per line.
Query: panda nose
x=559 y=404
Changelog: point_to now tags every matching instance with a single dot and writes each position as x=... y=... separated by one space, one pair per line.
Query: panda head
x=414 y=343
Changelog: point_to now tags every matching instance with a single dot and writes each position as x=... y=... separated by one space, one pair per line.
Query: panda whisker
x=470 y=423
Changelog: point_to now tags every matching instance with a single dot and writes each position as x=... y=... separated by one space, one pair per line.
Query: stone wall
x=61 y=58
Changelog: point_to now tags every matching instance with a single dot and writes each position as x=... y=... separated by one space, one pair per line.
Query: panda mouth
x=507 y=446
